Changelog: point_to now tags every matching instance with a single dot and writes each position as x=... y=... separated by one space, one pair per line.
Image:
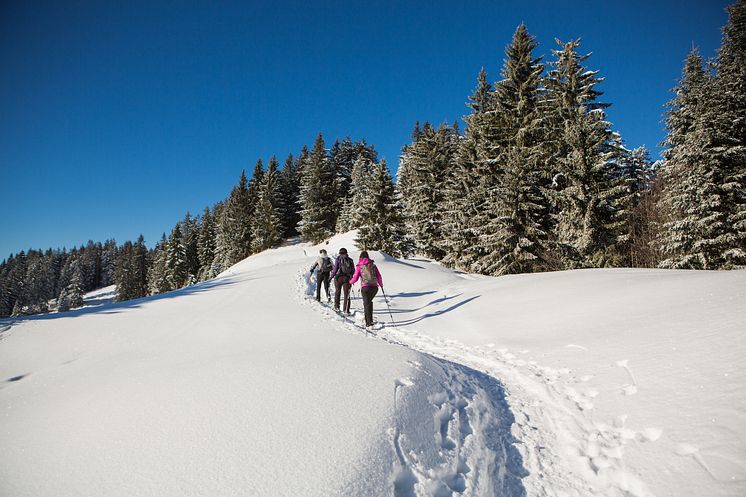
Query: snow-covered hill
x=598 y=382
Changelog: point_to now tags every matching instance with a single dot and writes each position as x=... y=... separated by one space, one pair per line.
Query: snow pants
x=342 y=283
x=322 y=277
x=368 y=292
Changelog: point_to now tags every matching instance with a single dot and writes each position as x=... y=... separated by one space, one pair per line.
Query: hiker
x=370 y=279
x=324 y=264
x=343 y=270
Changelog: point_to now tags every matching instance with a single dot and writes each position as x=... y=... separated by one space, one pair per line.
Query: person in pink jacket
x=370 y=279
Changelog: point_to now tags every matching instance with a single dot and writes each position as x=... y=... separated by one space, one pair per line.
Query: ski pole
x=393 y=323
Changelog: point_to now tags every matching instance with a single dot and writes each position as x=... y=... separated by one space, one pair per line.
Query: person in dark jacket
x=370 y=279
x=343 y=270
x=324 y=265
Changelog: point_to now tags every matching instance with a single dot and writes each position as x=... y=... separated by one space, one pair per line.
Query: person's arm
x=336 y=268
x=378 y=277
x=315 y=265
x=355 y=276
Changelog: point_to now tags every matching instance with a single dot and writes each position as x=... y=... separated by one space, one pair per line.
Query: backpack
x=346 y=266
x=326 y=265
x=368 y=274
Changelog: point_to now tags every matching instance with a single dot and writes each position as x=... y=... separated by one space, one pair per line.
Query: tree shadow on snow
x=385 y=310
x=117 y=307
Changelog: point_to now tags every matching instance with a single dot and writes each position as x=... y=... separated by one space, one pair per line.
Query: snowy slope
x=238 y=386
x=602 y=382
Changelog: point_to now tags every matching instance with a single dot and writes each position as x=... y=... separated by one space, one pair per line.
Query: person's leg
x=327 y=276
x=346 y=288
x=318 y=286
x=368 y=293
x=338 y=282
x=367 y=304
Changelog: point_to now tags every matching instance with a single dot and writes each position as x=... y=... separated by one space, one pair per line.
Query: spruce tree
x=316 y=195
x=176 y=263
x=190 y=235
x=360 y=194
x=233 y=238
x=468 y=185
x=516 y=240
x=72 y=295
x=108 y=262
x=289 y=183
x=158 y=281
x=206 y=245
x=727 y=138
x=425 y=164
x=267 y=222
x=382 y=226
x=692 y=196
x=588 y=194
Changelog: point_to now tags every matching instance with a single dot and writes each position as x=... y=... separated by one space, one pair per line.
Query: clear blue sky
x=118 y=117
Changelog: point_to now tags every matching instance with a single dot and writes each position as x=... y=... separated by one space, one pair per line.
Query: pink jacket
x=356 y=276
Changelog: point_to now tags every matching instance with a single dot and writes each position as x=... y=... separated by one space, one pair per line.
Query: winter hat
x=343 y=251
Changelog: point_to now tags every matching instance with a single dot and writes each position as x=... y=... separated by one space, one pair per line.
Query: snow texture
x=579 y=383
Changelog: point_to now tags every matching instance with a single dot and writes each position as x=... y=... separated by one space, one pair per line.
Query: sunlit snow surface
x=596 y=382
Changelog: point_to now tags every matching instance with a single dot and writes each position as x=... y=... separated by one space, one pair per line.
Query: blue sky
x=118 y=117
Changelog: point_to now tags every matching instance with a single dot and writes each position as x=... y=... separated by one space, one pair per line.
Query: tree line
x=312 y=196
x=537 y=181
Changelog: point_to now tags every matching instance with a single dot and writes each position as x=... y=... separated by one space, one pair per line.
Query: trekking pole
x=386 y=299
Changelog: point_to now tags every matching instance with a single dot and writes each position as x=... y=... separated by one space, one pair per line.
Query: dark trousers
x=342 y=283
x=368 y=292
x=322 y=277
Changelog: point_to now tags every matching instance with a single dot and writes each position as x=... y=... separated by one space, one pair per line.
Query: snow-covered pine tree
x=267 y=224
x=516 y=240
x=289 y=183
x=690 y=196
x=636 y=171
x=343 y=156
x=108 y=262
x=316 y=195
x=15 y=296
x=424 y=166
x=255 y=187
x=589 y=214
x=727 y=136
x=176 y=263
x=206 y=245
x=158 y=281
x=233 y=231
x=190 y=235
x=704 y=175
x=72 y=295
x=124 y=274
x=357 y=209
x=382 y=225
x=468 y=184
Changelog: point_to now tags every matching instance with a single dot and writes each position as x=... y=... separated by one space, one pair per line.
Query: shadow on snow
x=117 y=307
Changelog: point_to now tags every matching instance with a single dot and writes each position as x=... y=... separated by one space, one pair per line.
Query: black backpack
x=346 y=266
x=326 y=265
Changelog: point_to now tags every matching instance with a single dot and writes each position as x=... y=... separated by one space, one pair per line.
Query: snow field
x=579 y=383
x=237 y=387
x=622 y=382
